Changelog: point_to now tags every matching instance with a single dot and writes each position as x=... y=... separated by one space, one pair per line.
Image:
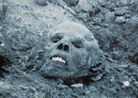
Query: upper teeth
x=59 y=59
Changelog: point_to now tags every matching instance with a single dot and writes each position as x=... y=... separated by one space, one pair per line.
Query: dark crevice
x=4 y=63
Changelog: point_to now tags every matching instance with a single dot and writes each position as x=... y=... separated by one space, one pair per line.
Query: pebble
x=23 y=87
x=2 y=44
x=41 y=2
x=124 y=66
x=1 y=10
x=136 y=83
x=125 y=2
x=127 y=15
x=109 y=16
x=120 y=20
x=119 y=12
x=93 y=89
x=1 y=83
x=86 y=5
x=71 y=2
x=0 y=27
x=77 y=85
x=32 y=89
x=126 y=83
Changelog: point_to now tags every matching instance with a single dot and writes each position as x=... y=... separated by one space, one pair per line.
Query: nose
x=63 y=47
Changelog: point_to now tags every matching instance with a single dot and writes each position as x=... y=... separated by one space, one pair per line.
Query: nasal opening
x=66 y=47
x=63 y=47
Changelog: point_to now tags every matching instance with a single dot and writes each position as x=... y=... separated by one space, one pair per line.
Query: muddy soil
x=24 y=26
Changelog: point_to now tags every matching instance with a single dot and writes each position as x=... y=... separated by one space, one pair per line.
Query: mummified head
x=72 y=51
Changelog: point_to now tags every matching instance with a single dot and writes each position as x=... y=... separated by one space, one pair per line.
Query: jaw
x=54 y=70
x=58 y=66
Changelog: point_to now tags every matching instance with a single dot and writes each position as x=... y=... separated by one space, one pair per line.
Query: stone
x=83 y=16
x=1 y=10
x=77 y=8
x=41 y=2
x=120 y=20
x=77 y=85
x=120 y=11
x=111 y=6
x=98 y=18
x=134 y=7
x=72 y=51
x=134 y=19
x=86 y=5
x=104 y=11
x=71 y=2
x=127 y=15
x=131 y=1
x=125 y=2
x=109 y=16
x=124 y=66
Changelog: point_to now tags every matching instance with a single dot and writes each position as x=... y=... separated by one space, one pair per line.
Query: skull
x=72 y=51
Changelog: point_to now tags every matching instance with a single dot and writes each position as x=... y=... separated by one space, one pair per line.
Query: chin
x=54 y=70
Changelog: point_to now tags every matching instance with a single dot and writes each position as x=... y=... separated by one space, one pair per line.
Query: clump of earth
x=24 y=29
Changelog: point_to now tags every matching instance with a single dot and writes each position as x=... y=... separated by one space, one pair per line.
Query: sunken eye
x=78 y=44
x=55 y=39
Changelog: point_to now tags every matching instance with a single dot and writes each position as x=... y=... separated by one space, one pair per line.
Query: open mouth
x=59 y=59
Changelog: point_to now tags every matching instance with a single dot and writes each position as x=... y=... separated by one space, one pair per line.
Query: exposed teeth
x=59 y=59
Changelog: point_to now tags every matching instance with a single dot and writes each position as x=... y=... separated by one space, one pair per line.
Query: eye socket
x=56 y=38
x=78 y=43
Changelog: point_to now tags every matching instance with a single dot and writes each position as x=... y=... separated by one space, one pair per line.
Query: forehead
x=71 y=29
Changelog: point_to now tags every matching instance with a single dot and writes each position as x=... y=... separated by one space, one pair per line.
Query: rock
x=32 y=89
x=92 y=13
x=134 y=7
x=120 y=11
x=132 y=1
x=23 y=87
x=97 y=78
x=103 y=96
x=134 y=20
x=104 y=11
x=102 y=3
x=86 y=5
x=1 y=10
x=124 y=66
x=130 y=25
x=125 y=2
x=77 y=85
x=83 y=16
x=120 y=20
x=71 y=2
x=77 y=8
x=111 y=6
x=136 y=83
x=100 y=16
x=127 y=15
x=96 y=20
x=41 y=2
x=109 y=16
x=93 y=89
x=96 y=27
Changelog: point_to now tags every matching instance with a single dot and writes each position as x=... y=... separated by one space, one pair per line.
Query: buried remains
x=73 y=53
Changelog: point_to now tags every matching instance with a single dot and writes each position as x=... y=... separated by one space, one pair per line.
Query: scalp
x=72 y=26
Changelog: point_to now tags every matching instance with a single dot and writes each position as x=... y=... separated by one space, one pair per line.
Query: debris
x=77 y=85
x=126 y=83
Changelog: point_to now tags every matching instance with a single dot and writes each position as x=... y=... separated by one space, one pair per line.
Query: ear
x=94 y=57
x=96 y=63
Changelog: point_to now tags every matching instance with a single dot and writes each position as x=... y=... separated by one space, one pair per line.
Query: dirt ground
x=24 y=26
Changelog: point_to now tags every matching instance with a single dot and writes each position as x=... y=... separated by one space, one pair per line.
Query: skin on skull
x=72 y=50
